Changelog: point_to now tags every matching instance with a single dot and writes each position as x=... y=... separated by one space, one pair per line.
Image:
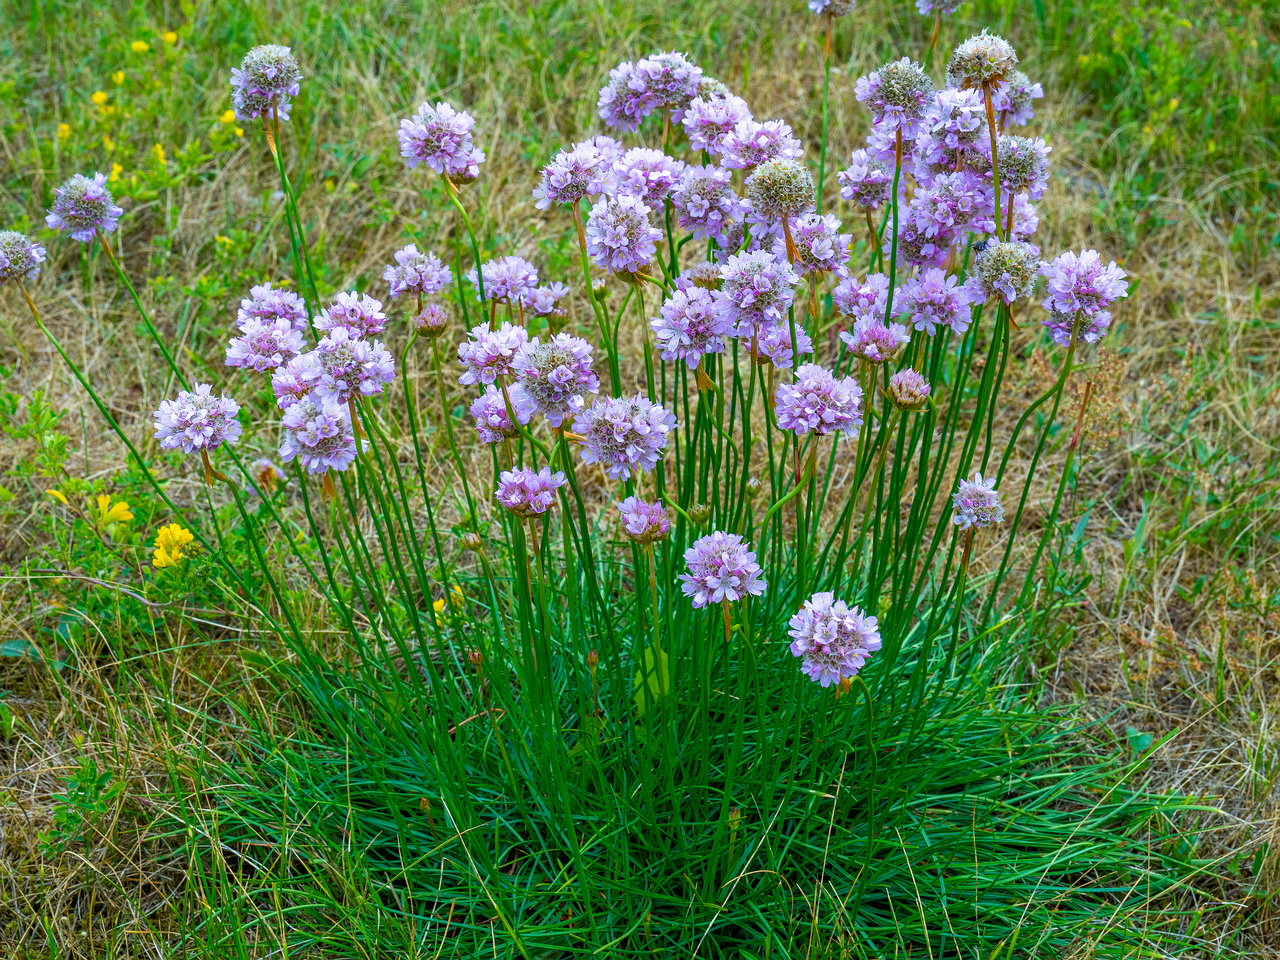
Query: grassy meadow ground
x=1163 y=122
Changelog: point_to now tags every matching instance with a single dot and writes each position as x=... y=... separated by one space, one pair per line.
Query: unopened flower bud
x=909 y=390
x=754 y=486
x=700 y=513
x=433 y=321
x=600 y=288
x=704 y=274
x=471 y=541
x=475 y=658
x=593 y=660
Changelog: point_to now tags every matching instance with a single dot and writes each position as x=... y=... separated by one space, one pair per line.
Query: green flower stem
x=471 y=234
x=826 y=84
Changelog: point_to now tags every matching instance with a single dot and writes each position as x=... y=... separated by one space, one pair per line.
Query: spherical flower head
x=488 y=354
x=438 y=136
x=882 y=145
x=875 y=341
x=625 y=100
x=267 y=303
x=346 y=366
x=835 y=8
x=528 y=494
x=820 y=246
x=433 y=321
x=644 y=173
x=466 y=168
x=620 y=236
x=705 y=202
x=773 y=343
x=709 y=88
x=866 y=181
x=293 y=380
x=493 y=419
x=924 y=242
x=750 y=144
x=556 y=376
x=1012 y=100
x=909 y=389
x=952 y=204
x=264 y=83
x=1025 y=218
x=977 y=503
x=1089 y=327
x=544 y=300
x=818 y=402
x=197 y=420
x=691 y=324
x=756 y=288
x=709 y=120
x=957 y=118
x=932 y=300
x=644 y=522
x=671 y=79
x=720 y=568
x=1083 y=284
x=20 y=259
x=318 y=434
x=575 y=173
x=610 y=149
x=415 y=272
x=832 y=639
x=944 y=7
x=83 y=206
x=1006 y=269
x=265 y=345
x=507 y=279
x=704 y=273
x=864 y=299
x=624 y=434
x=984 y=60
x=780 y=189
x=360 y=314
x=1024 y=164
x=897 y=95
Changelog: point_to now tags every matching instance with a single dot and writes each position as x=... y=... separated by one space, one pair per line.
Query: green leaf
x=18 y=648
x=1138 y=742
x=652 y=680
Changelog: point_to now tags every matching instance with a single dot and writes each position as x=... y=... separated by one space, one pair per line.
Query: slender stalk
x=995 y=163
x=826 y=85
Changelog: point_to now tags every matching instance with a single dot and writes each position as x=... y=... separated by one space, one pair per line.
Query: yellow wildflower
x=459 y=600
x=169 y=543
x=239 y=131
x=58 y=495
x=139 y=46
x=158 y=152
x=228 y=117
x=107 y=143
x=169 y=37
x=109 y=512
x=99 y=97
x=64 y=131
x=118 y=77
x=116 y=170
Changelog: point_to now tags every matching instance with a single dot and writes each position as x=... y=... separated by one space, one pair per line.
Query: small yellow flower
x=118 y=77
x=169 y=543
x=109 y=512
x=158 y=152
x=57 y=495
x=169 y=37
x=108 y=144
x=116 y=170
x=228 y=117
x=64 y=131
x=459 y=600
x=99 y=97
x=139 y=46
x=239 y=131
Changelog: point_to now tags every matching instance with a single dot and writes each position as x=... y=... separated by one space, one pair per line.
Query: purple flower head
x=832 y=639
x=1090 y=327
x=1081 y=284
x=488 y=354
x=266 y=79
x=866 y=181
x=528 y=494
x=691 y=325
x=1025 y=218
x=620 y=236
x=954 y=134
x=944 y=7
x=735 y=240
x=440 y=137
x=836 y=8
x=897 y=95
x=197 y=420
x=670 y=79
x=780 y=189
x=292 y=381
x=466 y=168
x=932 y=300
x=859 y=300
x=750 y=144
x=318 y=433
x=625 y=100
x=923 y=242
x=1024 y=164
x=1012 y=100
x=909 y=389
x=267 y=303
x=1005 y=269
x=977 y=503
x=345 y=366
x=82 y=207
x=951 y=205
x=882 y=141
x=818 y=402
x=720 y=568
x=756 y=288
x=420 y=273
x=624 y=435
x=509 y=279
x=545 y=299
x=432 y=321
x=644 y=522
x=556 y=376
x=873 y=340
x=644 y=173
x=820 y=246
x=20 y=259
x=773 y=343
x=610 y=149
x=360 y=314
x=707 y=122
x=705 y=202
x=575 y=173
x=264 y=345
x=493 y=419
x=982 y=60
